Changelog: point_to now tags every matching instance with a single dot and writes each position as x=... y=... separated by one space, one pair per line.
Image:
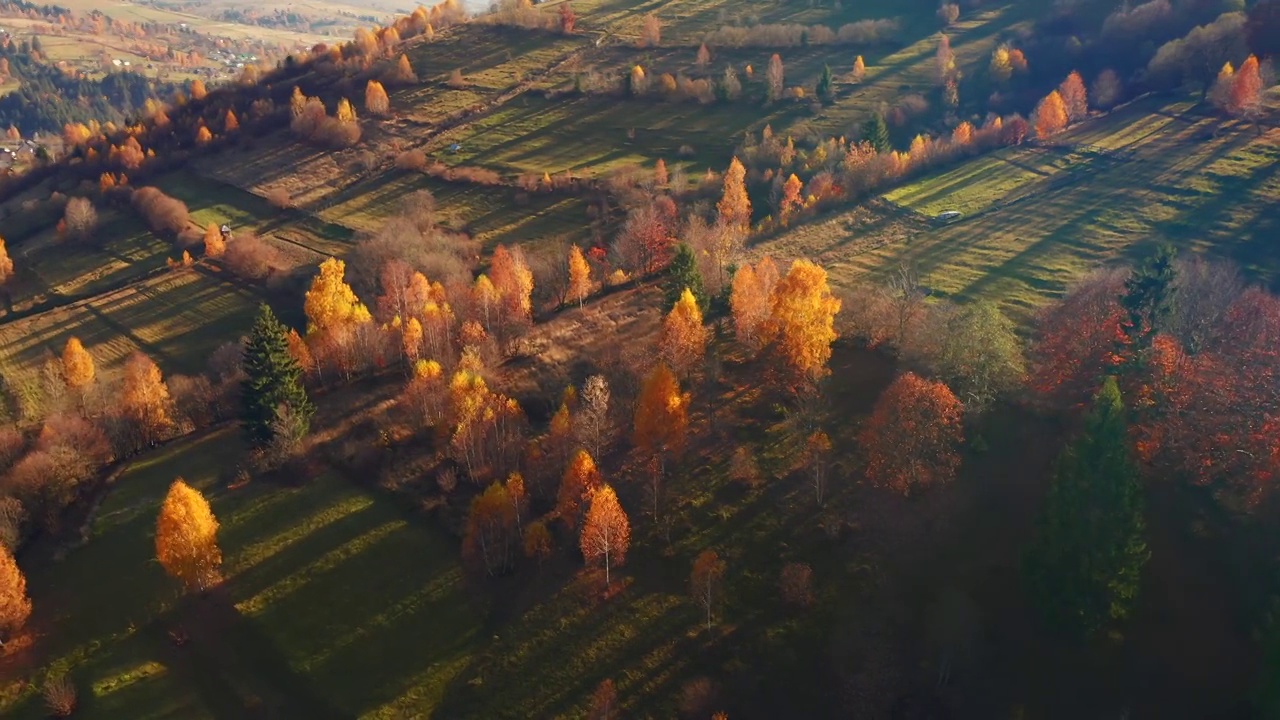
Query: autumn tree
x=492 y=533
x=198 y=91
x=774 y=77
x=912 y=439
x=187 y=538
x=594 y=414
x=568 y=18
x=802 y=320
x=80 y=217
x=144 y=399
x=661 y=423
x=345 y=113
x=581 y=478
x=214 y=244
x=704 y=581
x=734 y=209
x=817 y=456
x=272 y=381
x=650 y=31
x=792 y=199
x=512 y=278
x=375 y=98
x=859 y=70
x=331 y=304
x=15 y=606
x=606 y=532
x=604 y=702
x=684 y=338
x=1086 y=564
x=77 y=365
x=1074 y=97
x=230 y=123
x=579 y=276
x=1050 y=116
x=749 y=301
x=1246 y=91
x=6 y=263
x=703 y=58
x=537 y=541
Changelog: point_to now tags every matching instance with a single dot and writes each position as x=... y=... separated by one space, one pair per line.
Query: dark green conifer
x=272 y=379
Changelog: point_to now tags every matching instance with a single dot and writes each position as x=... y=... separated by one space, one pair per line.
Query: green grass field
x=334 y=603
x=177 y=318
x=1184 y=180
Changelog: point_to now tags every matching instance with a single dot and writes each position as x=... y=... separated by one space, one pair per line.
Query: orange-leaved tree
x=214 y=244
x=230 y=123
x=913 y=436
x=492 y=533
x=749 y=301
x=1050 y=116
x=791 y=199
x=734 y=208
x=15 y=606
x=802 y=321
x=684 y=338
x=581 y=478
x=513 y=280
x=144 y=398
x=77 y=365
x=484 y=298
x=704 y=581
x=606 y=532
x=6 y=263
x=579 y=276
x=1246 y=90
x=331 y=304
x=375 y=98
x=604 y=701
x=661 y=424
x=187 y=538
x=1074 y=97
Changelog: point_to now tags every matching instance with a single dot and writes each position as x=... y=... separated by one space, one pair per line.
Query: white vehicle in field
x=949 y=216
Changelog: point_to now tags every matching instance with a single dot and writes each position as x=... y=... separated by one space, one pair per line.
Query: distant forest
x=48 y=98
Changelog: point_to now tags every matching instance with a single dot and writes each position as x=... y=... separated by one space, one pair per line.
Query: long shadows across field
x=333 y=606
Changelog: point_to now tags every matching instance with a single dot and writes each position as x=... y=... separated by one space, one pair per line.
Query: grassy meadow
x=1039 y=218
x=334 y=605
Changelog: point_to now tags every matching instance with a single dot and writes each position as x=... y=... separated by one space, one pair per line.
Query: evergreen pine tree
x=1084 y=568
x=824 y=83
x=684 y=274
x=1148 y=302
x=876 y=132
x=272 y=378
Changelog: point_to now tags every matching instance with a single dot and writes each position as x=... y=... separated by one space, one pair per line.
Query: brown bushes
x=80 y=217
x=411 y=160
x=59 y=696
x=279 y=198
x=161 y=213
x=477 y=175
x=315 y=125
x=251 y=257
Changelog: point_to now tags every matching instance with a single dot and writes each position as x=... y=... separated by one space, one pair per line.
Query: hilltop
x=915 y=240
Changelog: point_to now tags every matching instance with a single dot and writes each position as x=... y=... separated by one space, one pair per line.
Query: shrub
x=250 y=257
x=59 y=696
x=698 y=698
x=279 y=198
x=80 y=217
x=411 y=160
x=948 y=13
x=163 y=214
